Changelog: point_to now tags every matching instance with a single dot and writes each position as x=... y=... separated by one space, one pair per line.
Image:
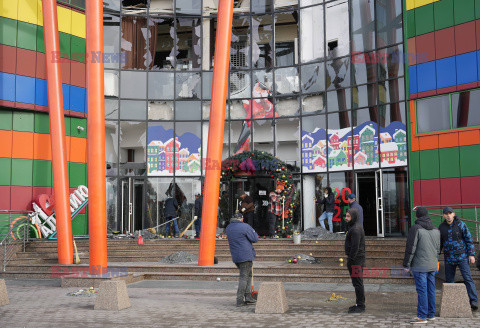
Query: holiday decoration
x=294 y=260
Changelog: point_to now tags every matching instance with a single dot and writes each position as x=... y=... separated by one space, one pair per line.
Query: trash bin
x=297 y=239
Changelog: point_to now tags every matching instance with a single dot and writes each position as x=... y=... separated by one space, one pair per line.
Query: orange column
x=97 y=216
x=57 y=134
x=215 y=133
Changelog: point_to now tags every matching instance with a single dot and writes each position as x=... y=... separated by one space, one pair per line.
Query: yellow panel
x=79 y=27
x=410 y=4
x=64 y=20
x=8 y=8
x=40 y=13
x=27 y=11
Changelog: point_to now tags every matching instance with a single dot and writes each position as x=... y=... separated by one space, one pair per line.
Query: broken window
x=311 y=34
x=164 y=50
x=262 y=45
x=337 y=25
x=189 y=51
x=139 y=54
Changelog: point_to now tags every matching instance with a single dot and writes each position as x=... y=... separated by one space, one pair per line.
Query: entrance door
x=132 y=205
x=369 y=196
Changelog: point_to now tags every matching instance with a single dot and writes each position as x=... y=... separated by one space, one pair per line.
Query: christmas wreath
x=259 y=162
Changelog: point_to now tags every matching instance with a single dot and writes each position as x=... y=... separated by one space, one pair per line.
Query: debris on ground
x=302 y=259
x=84 y=292
x=320 y=233
x=337 y=298
x=180 y=258
x=146 y=234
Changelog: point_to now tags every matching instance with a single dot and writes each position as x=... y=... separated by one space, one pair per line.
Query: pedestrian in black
x=198 y=214
x=329 y=202
x=247 y=208
x=241 y=236
x=355 y=251
x=171 y=207
x=352 y=199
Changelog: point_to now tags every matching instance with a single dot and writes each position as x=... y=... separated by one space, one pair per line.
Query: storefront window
x=433 y=114
x=465 y=111
x=312 y=38
x=363 y=25
x=287 y=136
x=365 y=138
x=189 y=148
x=263 y=136
x=111 y=147
x=314 y=144
x=160 y=85
x=160 y=151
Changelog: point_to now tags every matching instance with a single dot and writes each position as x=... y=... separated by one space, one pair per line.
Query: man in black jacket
x=198 y=214
x=355 y=251
x=170 y=212
x=329 y=202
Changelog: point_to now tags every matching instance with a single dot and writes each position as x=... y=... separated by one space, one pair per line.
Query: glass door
x=132 y=205
x=379 y=196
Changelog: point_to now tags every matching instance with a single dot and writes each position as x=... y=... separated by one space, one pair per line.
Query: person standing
x=355 y=252
x=421 y=259
x=458 y=250
x=247 y=208
x=198 y=214
x=329 y=202
x=352 y=199
x=170 y=212
x=240 y=237
x=274 y=210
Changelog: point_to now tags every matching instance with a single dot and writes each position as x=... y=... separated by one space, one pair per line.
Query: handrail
x=8 y=251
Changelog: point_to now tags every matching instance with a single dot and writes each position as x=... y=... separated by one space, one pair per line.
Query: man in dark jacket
x=240 y=238
x=421 y=259
x=198 y=214
x=247 y=208
x=170 y=212
x=352 y=199
x=329 y=202
x=458 y=250
x=355 y=251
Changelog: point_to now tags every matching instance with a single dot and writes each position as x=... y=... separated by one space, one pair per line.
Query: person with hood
x=352 y=200
x=329 y=202
x=355 y=252
x=198 y=214
x=240 y=237
x=458 y=250
x=421 y=259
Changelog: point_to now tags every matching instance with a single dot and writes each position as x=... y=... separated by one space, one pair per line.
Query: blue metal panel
x=446 y=72
x=25 y=89
x=426 y=77
x=466 y=68
x=7 y=86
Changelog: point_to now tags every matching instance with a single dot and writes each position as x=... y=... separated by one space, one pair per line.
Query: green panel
x=77 y=174
x=67 y=125
x=23 y=121
x=449 y=162
x=6 y=119
x=42 y=173
x=469 y=158
x=464 y=11
x=40 y=40
x=27 y=36
x=424 y=22
x=4 y=225
x=22 y=172
x=78 y=48
x=477 y=9
x=42 y=123
x=429 y=167
x=75 y=131
x=443 y=14
x=5 y=171
x=414 y=161
x=8 y=32
x=80 y=225
x=65 y=44
x=410 y=23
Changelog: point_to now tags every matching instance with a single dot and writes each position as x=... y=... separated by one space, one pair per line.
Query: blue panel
x=412 y=79
x=7 y=86
x=41 y=95
x=446 y=73
x=25 y=89
x=66 y=96
x=426 y=77
x=467 y=68
x=77 y=99
x=478 y=65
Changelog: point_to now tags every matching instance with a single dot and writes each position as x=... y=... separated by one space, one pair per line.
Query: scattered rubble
x=147 y=234
x=320 y=233
x=84 y=292
x=180 y=258
x=337 y=298
x=303 y=259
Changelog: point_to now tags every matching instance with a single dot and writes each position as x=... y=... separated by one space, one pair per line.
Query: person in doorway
x=274 y=210
x=421 y=259
x=458 y=250
x=355 y=251
x=170 y=212
x=352 y=199
x=198 y=214
x=329 y=202
x=247 y=208
x=240 y=237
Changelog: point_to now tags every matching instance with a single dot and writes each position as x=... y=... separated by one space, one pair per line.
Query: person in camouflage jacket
x=458 y=248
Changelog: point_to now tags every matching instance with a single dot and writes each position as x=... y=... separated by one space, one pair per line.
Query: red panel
x=41 y=190
x=41 y=72
x=430 y=191
x=65 y=68
x=78 y=74
x=467 y=86
x=477 y=33
x=26 y=62
x=4 y=197
x=426 y=93
x=469 y=187
x=7 y=103
x=446 y=90
x=412 y=50
x=425 y=46
x=445 y=43
x=21 y=198
x=417 y=193
x=450 y=191
x=465 y=40
x=8 y=59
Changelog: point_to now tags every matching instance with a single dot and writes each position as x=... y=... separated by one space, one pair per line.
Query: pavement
x=156 y=303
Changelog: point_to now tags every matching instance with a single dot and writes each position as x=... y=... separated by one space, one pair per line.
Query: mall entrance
x=131 y=197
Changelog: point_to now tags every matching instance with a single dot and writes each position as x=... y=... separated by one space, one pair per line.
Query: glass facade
x=319 y=84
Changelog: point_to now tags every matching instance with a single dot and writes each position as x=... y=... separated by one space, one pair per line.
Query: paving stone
x=112 y=295
x=455 y=302
x=271 y=298
x=3 y=293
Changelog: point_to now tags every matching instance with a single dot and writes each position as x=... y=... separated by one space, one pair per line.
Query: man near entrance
x=198 y=214
x=329 y=202
x=241 y=236
x=274 y=210
x=171 y=207
x=352 y=199
x=458 y=250
x=247 y=208
x=355 y=251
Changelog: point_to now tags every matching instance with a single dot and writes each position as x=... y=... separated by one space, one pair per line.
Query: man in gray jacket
x=421 y=259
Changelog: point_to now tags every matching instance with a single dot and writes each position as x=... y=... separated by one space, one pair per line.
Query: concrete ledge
x=94 y=280
x=271 y=298
x=455 y=302
x=3 y=293
x=112 y=295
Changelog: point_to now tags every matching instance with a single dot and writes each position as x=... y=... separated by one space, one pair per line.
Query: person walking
x=329 y=202
x=421 y=259
x=198 y=214
x=274 y=210
x=247 y=208
x=352 y=199
x=458 y=249
x=240 y=237
x=170 y=212
x=355 y=252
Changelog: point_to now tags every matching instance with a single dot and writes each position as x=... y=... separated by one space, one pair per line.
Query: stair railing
x=16 y=236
